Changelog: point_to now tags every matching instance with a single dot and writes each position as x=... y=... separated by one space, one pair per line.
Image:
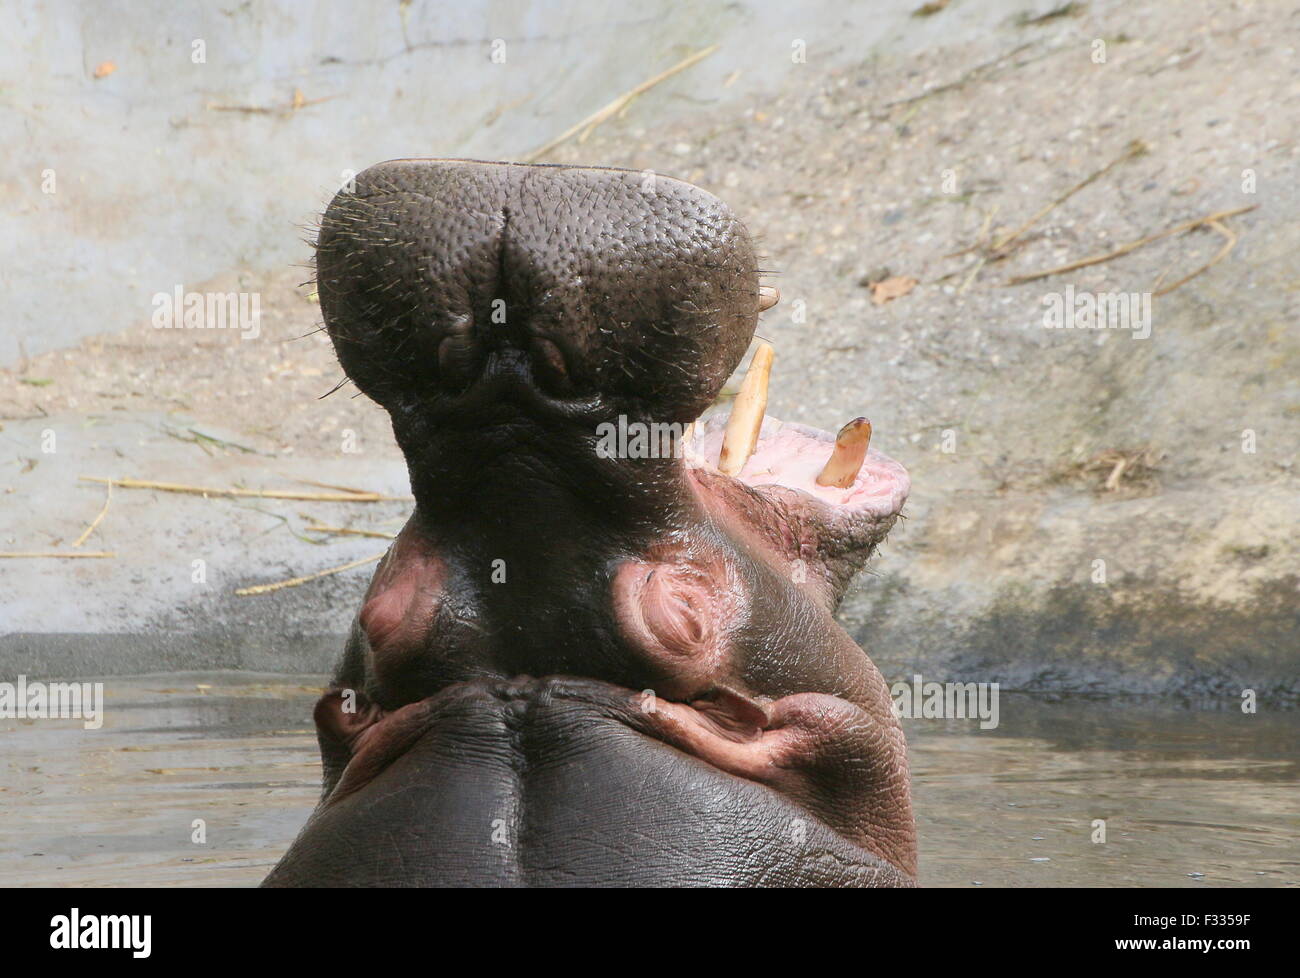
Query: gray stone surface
x=142 y=609
x=173 y=172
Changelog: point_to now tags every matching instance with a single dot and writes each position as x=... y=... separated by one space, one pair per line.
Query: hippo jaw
x=688 y=609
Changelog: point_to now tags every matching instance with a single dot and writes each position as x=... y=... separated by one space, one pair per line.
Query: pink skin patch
x=403 y=599
x=793 y=455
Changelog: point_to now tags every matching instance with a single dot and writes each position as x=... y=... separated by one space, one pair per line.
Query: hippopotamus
x=594 y=656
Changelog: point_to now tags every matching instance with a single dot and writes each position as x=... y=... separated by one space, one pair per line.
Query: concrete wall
x=155 y=185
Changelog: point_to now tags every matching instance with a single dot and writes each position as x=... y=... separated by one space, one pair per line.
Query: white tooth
x=846 y=457
x=768 y=296
x=747 y=413
x=687 y=443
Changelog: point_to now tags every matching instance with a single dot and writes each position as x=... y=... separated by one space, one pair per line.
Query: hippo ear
x=677 y=613
x=342 y=716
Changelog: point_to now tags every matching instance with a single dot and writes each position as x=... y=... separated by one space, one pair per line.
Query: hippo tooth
x=768 y=296
x=747 y=413
x=847 y=455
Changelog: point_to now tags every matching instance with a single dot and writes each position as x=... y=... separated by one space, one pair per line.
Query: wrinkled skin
x=572 y=669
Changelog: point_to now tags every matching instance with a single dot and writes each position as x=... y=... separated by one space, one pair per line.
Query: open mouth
x=763 y=452
x=795 y=456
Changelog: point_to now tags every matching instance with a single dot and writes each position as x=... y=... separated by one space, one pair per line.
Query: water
x=1182 y=791
x=1189 y=797
x=116 y=806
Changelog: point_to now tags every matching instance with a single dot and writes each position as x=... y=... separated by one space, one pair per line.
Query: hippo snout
x=583 y=281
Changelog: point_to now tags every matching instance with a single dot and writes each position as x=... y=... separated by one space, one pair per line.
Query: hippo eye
x=458 y=357
x=549 y=366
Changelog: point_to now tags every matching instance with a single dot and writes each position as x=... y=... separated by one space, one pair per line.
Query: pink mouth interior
x=792 y=455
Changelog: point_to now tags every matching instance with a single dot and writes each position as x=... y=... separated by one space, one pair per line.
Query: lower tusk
x=768 y=296
x=747 y=413
x=846 y=458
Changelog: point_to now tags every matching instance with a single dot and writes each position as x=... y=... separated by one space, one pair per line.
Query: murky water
x=1189 y=797
x=117 y=806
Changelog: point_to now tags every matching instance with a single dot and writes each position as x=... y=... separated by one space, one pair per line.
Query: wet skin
x=570 y=668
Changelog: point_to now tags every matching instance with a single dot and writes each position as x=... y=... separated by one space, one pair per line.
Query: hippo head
x=602 y=650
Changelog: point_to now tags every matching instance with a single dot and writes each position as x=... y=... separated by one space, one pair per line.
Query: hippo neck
x=539 y=508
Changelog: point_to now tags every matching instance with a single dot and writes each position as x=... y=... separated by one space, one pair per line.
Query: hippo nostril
x=458 y=357
x=549 y=366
